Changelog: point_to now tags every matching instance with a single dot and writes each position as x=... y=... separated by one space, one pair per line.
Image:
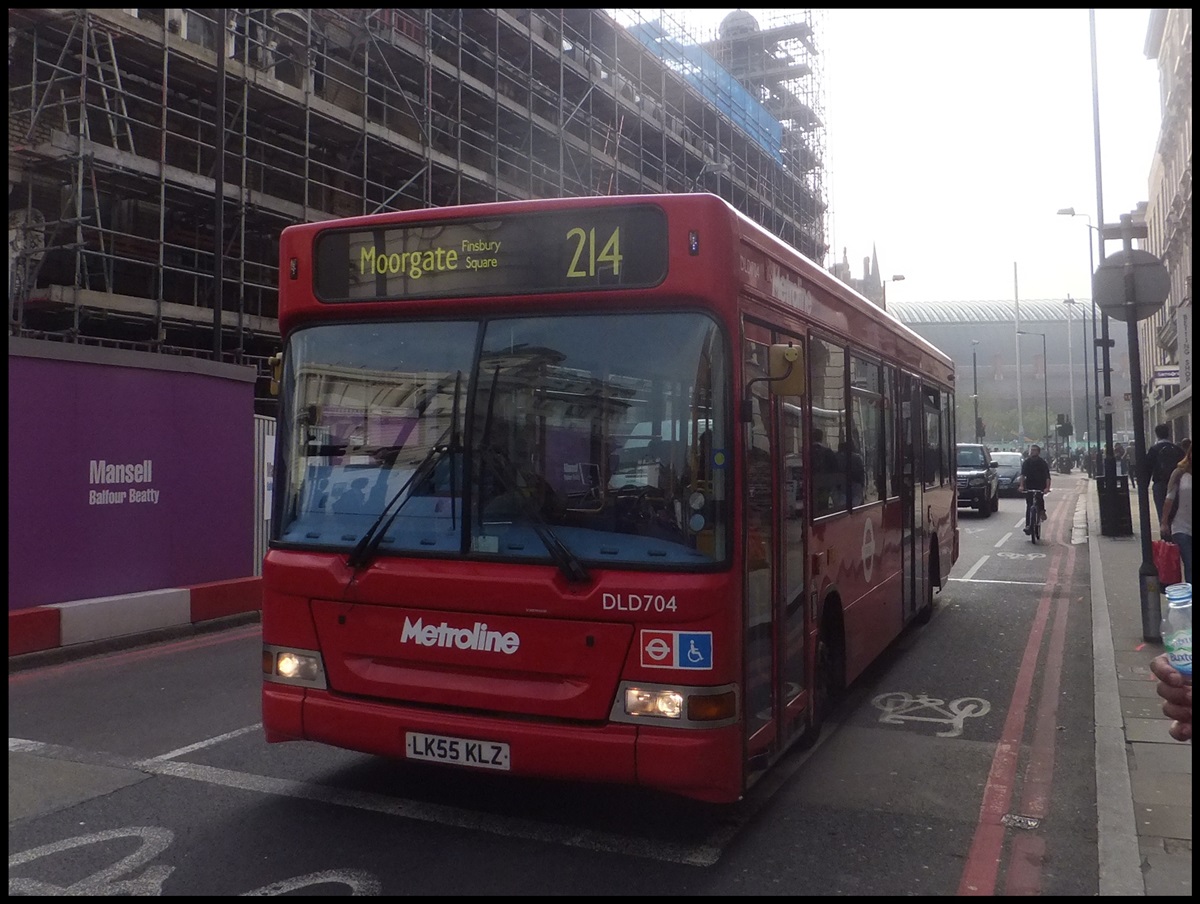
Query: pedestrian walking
x=1159 y=462
x=1176 y=521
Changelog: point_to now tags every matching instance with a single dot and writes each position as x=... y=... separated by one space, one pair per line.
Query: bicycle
x=1034 y=501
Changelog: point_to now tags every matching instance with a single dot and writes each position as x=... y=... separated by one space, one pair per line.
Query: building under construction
x=127 y=125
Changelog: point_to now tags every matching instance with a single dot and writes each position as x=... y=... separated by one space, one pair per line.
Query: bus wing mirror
x=785 y=369
x=276 y=363
x=786 y=365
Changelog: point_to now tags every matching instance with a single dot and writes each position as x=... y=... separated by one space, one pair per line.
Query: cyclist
x=1035 y=475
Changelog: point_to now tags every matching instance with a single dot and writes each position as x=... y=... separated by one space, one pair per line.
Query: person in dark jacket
x=1161 y=460
x=1035 y=475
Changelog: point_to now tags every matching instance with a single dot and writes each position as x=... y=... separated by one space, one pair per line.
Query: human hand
x=1177 y=697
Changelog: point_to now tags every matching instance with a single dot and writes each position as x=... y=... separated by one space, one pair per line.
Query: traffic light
x=1064 y=426
x=980 y=431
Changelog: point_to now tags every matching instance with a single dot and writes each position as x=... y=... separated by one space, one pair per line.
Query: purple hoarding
x=128 y=471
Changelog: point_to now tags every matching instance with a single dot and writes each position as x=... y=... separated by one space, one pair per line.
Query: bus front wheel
x=829 y=675
x=925 y=613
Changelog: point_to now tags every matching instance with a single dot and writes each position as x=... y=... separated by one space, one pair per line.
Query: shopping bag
x=1166 y=560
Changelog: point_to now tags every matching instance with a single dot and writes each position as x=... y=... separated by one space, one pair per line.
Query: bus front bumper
x=702 y=764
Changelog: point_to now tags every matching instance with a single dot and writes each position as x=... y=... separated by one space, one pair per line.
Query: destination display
x=549 y=251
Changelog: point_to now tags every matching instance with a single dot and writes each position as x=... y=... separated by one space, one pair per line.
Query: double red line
x=1026 y=855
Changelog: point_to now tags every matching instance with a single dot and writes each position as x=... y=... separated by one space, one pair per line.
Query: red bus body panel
x=560 y=668
x=871 y=607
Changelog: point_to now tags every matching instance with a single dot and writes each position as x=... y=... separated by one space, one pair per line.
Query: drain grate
x=1020 y=822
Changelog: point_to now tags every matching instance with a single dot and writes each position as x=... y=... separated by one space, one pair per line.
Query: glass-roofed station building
x=1052 y=347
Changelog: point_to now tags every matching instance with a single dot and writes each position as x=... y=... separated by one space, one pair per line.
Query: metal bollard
x=1149 y=589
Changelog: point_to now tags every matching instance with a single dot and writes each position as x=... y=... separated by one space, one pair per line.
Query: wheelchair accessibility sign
x=677 y=649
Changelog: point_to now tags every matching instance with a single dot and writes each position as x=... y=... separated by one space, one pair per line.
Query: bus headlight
x=644 y=702
x=287 y=666
x=675 y=705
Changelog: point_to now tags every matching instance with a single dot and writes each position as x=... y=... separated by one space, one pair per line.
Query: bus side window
x=866 y=431
x=827 y=390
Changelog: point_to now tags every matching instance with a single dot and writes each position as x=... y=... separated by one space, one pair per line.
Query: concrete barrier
x=105 y=618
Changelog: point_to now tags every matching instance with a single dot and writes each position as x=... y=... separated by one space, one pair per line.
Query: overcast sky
x=954 y=136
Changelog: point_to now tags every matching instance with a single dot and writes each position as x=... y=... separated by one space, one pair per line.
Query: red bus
x=614 y=489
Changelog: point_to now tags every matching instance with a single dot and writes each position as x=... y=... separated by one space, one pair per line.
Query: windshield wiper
x=503 y=468
x=366 y=547
x=563 y=557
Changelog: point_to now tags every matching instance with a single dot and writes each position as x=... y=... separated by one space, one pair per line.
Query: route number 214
x=585 y=247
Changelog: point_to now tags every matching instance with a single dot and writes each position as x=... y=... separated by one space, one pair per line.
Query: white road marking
x=705 y=853
x=1003 y=539
x=967 y=580
x=900 y=706
x=507 y=826
x=110 y=881
x=211 y=742
x=974 y=568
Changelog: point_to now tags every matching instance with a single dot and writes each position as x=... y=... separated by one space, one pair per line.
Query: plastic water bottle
x=1177 y=629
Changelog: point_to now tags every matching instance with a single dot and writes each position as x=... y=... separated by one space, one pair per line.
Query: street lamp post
x=1070 y=303
x=1070 y=375
x=975 y=391
x=1106 y=343
x=1017 y=348
x=896 y=277
x=1045 y=382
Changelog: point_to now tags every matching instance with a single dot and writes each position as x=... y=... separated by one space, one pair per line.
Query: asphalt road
x=960 y=763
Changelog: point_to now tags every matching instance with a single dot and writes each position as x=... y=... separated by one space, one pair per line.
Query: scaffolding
x=127 y=125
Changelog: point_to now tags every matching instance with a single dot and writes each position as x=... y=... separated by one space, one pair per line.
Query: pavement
x=1143 y=775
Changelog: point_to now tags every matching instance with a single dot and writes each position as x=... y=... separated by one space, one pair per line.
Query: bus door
x=792 y=519
x=912 y=480
x=775 y=558
x=760 y=592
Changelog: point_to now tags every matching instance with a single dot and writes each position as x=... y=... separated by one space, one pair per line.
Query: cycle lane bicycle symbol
x=899 y=707
x=118 y=878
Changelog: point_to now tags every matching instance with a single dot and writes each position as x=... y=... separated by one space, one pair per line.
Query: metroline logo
x=475 y=638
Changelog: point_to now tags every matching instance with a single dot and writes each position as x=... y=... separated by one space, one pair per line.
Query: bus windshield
x=602 y=439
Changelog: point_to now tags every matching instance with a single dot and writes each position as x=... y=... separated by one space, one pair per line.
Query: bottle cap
x=1179 y=591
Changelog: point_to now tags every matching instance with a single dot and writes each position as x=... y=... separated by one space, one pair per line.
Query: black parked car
x=1008 y=472
x=978 y=483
